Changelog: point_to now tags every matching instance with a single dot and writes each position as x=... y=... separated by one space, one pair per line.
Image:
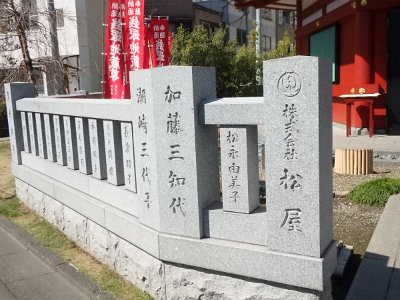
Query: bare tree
x=28 y=38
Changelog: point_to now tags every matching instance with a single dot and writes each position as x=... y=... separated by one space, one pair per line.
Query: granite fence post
x=239 y=168
x=298 y=163
x=50 y=140
x=25 y=135
x=97 y=149
x=14 y=92
x=59 y=139
x=176 y=158
x=41 y=137
x=33 y=134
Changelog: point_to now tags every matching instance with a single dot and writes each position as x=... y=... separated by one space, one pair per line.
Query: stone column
x=14 y=92
x=298 y=162
x=239 y=168
x=176 y=159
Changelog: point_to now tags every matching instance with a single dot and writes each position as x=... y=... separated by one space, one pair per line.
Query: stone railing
x=149 y=170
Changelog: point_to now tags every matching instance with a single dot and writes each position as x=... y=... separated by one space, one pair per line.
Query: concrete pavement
x=378 y=277
x=28 y=271
x=378 y=142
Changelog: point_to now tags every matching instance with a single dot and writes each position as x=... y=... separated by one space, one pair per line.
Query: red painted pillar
x=363 y=62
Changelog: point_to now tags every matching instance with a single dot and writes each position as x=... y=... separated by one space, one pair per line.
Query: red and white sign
x=134 y=39
x=159 y=37
x=114 y=62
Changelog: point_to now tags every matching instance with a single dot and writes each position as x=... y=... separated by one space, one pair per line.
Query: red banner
x=114 y=61
x=159 y=36
x=134 y=38
x=147 y=63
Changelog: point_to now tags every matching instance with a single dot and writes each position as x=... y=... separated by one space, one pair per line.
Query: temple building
x=363 y=42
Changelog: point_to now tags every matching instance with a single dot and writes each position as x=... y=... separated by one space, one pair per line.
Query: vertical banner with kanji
x=159 y=37
x=134 y=38
x=114 y=61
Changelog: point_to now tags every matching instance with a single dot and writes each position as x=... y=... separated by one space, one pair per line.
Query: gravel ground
x=354 y=224
x=344 y=183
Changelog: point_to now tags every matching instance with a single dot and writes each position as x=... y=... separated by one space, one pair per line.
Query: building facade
x=362 y=40
x=79 y=35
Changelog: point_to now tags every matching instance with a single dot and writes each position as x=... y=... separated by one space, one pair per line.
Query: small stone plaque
x=59 y=139
x=82 y=136
x=49 y=132
x=70 y=143
x=97 y=150
x=32 y=133
x=239 y=168
x=128 y=155
x=25 y=132
x=114 y=161
x=40 y=136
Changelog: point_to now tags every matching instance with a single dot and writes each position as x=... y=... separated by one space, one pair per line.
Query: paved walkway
x=378 y=277
x=378 y=142
x=28 y=271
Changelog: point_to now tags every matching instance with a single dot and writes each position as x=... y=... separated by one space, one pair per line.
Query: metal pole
x=258 y=41
x=55 y=52
x=258 y=31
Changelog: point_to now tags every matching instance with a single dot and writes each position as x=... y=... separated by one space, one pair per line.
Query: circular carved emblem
x=289 y=84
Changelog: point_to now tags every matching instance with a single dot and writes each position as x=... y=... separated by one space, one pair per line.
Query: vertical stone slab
x=176 y=158
x=25 y=133
x=298 y=155
x=41 y=140
x=128 y=155
x=59 y=139
x=14 y=92
x=32 y=133
x=70 y=143
x=113 y=148
x=50 y=141
x=239 y=168
x=97 y=150
x=82 y=137
x=145 y=148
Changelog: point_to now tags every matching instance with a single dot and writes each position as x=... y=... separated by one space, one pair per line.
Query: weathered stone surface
x=184 y=283
x=163 y=281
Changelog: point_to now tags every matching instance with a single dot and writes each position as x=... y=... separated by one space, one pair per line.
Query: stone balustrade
x=148 y=170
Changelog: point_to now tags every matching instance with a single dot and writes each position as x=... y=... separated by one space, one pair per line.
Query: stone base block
x=160 y=279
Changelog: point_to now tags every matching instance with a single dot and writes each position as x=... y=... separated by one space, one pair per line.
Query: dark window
x=266 y=40
x=60 y=18
x=241 y=36
x=324 y=44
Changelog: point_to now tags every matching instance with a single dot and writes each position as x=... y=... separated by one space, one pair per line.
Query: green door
x=323 y=44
